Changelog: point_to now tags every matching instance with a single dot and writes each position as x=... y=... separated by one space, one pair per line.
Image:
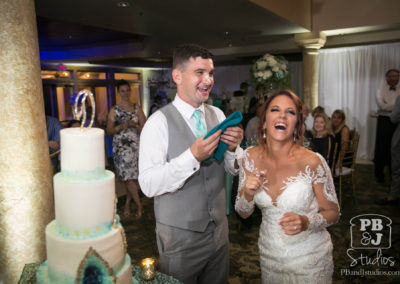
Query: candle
x=148 y=271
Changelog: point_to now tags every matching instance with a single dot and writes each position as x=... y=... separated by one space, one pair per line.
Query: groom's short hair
x=185 y=51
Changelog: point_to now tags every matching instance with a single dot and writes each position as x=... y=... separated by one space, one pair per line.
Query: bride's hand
x=253 y=182
x=293 y=223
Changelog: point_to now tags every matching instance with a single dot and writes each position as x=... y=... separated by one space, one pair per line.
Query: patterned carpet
x=244 y=263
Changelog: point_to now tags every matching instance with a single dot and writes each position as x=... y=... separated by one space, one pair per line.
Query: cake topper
x=81 y=113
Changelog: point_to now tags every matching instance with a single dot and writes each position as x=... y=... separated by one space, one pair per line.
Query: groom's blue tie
x=200 y=128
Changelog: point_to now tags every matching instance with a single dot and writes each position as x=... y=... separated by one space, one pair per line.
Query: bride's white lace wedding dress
x=302 y=258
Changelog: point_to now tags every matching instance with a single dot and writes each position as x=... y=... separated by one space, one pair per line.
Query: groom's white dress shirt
x=156 y=175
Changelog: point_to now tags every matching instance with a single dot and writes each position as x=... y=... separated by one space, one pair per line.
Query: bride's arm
x=248 y=184
x=325 y=194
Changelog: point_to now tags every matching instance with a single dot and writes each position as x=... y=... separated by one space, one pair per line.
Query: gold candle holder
x=148 y=270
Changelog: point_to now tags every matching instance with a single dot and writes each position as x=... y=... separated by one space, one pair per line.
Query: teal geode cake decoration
x=93 y=269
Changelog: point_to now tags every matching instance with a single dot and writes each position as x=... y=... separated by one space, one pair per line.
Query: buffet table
x=29 y=275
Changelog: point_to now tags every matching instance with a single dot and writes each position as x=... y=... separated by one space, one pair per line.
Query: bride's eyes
x=292 y=112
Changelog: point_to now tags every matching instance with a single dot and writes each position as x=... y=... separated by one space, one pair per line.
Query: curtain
x=349 y=79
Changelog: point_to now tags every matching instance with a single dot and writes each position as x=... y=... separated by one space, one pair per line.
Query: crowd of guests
x=168 y=158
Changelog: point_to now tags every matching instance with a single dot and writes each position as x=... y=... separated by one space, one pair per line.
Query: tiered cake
x=85 y=243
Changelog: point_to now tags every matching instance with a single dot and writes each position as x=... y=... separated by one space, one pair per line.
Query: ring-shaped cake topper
x=81 y=113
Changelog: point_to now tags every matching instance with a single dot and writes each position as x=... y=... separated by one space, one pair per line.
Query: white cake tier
x=82 y=152
x=85 y=208
x=64 y=256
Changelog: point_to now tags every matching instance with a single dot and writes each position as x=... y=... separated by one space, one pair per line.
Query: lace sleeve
x=323 y=181
x=242 y=206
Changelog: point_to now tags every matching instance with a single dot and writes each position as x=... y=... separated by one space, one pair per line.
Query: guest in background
x=394 y=195
x=239 y=99
x=385 y=99
x=53 y=127
x=308 y=118
x=341 y=132
x=73 y=123
x=252 y=126
x=251 y=112
x=261 y=94
x=322 y=140
x=317 y=109
x=244 y=87
x=125 y=121
x=156 y=105
x=189 y=204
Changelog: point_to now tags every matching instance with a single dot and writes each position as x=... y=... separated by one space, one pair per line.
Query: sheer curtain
x=349 y=79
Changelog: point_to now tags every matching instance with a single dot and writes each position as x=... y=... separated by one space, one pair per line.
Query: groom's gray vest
x=202 y=197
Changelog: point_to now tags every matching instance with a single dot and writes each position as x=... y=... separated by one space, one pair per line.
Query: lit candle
x=148 y=271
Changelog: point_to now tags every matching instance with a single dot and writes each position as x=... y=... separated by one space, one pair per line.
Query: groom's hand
x=232 y=136
x=203 y=149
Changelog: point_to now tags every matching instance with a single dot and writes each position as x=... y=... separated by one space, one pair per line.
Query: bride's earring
x=265 y=134
x=294 y=135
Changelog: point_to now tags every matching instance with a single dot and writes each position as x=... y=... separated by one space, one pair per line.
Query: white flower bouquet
x=271 y=69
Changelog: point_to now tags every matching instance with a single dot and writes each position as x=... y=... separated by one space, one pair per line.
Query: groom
x=189 y=204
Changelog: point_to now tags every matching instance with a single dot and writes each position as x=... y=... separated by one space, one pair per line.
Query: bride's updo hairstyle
x=299 y=128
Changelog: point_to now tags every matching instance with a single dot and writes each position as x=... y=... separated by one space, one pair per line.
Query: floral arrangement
x=271 y=69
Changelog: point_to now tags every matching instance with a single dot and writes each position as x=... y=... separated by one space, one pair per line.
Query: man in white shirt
x=308 y=118
x=385 y=99
x=189 y=204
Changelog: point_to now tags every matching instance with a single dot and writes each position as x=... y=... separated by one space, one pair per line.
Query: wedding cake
x=85 y=243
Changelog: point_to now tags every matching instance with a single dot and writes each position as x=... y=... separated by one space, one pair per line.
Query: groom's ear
x=177 y=76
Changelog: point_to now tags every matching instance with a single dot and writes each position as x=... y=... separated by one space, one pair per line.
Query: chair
x=333 y=161
x=347 y=161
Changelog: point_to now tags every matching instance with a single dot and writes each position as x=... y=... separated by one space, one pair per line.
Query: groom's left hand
x=293 y=223
x=232 y=136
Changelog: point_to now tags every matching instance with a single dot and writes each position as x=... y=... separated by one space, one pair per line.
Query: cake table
x=29 y=275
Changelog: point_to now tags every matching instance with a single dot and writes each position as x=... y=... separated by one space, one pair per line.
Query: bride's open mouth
x=280 y=126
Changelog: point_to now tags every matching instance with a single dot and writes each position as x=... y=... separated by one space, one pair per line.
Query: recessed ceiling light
x=226 y=33
x=123 y=4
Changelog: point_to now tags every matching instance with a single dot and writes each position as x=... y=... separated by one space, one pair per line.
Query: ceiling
x=145 y=32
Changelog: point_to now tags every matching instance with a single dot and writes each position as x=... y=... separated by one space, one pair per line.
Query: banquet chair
x=346 y=171
x=332 y=165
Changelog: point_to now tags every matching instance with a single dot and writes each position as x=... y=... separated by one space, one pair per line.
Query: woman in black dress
x=341 y=133
x=322 y=138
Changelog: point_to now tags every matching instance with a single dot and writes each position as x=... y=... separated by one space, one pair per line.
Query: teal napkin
x=233 y=120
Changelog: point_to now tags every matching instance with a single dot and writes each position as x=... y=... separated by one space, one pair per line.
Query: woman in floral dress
x=125 y=121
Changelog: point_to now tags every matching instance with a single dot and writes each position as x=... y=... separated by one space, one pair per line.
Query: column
x=310 y=44
x=26 y=199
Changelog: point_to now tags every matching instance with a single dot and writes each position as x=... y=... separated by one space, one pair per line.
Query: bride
x=293 y=187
